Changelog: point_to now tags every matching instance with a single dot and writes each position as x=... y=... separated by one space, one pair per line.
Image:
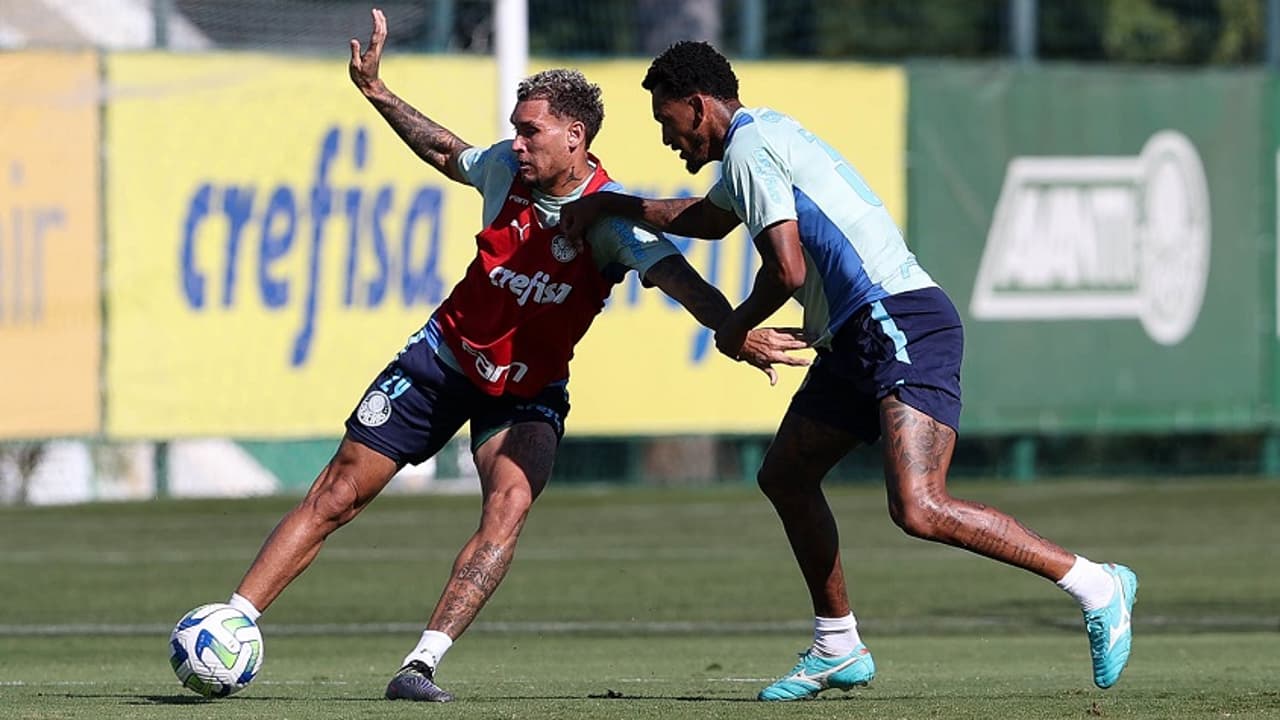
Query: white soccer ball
x=215 y=650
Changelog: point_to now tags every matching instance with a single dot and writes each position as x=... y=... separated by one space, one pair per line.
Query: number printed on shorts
x=395 y=386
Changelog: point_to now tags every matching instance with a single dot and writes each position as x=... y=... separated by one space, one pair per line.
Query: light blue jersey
x=613 y=240
x=775 y=170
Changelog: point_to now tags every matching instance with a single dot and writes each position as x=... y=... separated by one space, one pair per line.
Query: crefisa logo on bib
x=375 y=409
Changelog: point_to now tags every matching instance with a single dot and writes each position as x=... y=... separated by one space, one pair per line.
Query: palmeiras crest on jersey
x=375 y=409
x=562 y=249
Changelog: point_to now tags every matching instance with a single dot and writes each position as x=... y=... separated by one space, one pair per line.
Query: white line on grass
x=710 y=679
x=566 y=627
x=146 y=556
x=895 y=626
x=67 y=683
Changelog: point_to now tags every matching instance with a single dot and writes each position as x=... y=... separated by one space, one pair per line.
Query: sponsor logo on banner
x=50 y=304
x=273 y=226
x=1101 y=237
x=26 y=232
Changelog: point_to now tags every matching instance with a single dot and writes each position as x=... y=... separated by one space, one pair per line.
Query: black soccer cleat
x=415 y=681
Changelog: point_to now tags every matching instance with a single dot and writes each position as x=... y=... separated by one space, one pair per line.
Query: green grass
x=650 y=603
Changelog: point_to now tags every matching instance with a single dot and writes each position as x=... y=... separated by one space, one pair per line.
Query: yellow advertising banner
x=272 y=243
x=50 y=337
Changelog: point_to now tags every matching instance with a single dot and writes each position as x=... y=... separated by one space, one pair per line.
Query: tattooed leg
x=917 y=455
x=514 y=467
x=791 y=477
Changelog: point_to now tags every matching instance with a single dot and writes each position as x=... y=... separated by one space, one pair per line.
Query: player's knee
x=335 y=500
x=918 y=517
x=505 y=510
x=776 y=484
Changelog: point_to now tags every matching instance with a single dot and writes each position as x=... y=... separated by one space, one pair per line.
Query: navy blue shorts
x=909 y=345
x=418 y=403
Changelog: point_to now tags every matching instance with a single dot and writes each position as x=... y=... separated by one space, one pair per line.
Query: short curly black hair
x=568 y=94
x=689 y=67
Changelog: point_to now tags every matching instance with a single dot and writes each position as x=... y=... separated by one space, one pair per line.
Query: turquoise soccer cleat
x=813 y=674
x=1110 y=630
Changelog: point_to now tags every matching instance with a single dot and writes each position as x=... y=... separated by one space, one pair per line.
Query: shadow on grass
x=181 y=699
x=608 y=695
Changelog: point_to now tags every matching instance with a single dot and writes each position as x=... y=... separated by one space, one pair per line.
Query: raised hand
x=364 y=66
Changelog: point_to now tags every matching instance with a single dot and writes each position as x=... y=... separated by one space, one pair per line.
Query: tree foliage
x=1127 y=31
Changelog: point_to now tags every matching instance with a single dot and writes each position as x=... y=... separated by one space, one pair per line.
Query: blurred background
x=210 y=244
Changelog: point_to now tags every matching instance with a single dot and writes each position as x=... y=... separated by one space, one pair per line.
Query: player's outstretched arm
x=674 y=276
x=690 y=217
x=762 y=348
x=431 y=141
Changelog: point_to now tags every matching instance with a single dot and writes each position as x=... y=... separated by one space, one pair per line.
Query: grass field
x=651 y=603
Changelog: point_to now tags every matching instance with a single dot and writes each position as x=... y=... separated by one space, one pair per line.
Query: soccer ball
x=215 y=650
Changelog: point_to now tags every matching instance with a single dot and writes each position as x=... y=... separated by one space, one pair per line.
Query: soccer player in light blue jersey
x=889 y=344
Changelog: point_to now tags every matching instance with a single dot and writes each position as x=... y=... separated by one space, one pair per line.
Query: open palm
x=364 y=66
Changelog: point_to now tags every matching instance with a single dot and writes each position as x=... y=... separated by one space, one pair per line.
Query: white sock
x=242 y=604
x=430 y=650
x=835 y=637
x=1089 y=584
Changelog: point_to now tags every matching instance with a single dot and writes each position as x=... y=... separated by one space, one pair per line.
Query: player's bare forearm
x=690 y=217
x=767 y=294
x=677 y=278
x=431 y=141
x=781 y=273
x=761 y=348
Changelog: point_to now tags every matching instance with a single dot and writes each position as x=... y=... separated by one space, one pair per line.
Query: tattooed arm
x=431 y=141
x=677 y=278
x=690 y=217
x=762 y=348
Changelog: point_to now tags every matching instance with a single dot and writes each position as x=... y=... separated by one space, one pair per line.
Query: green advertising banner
x=1105 y=236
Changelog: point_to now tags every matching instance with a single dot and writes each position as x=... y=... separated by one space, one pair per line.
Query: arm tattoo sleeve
x=675 y=277
x=431 y=141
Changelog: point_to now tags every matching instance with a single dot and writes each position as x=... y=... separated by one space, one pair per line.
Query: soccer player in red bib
x=495 y=353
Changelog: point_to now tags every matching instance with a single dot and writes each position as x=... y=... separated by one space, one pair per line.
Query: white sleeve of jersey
x=487 y=168
x=471 y=164
x=614 y=239
x=490 y=171
x=757 y=184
